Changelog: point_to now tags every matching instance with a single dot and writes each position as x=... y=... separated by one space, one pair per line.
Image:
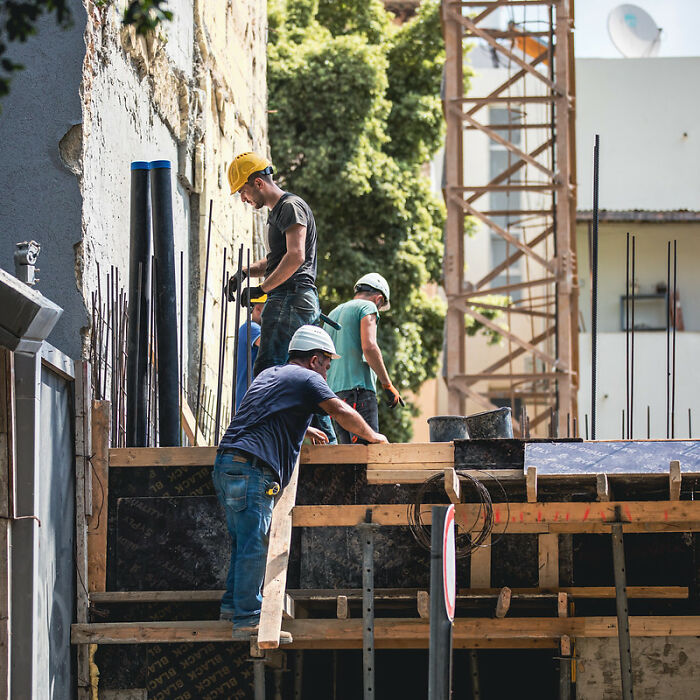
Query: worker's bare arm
x=257 y=269
x=370 y=348
x=292 y=259
x=350 y=419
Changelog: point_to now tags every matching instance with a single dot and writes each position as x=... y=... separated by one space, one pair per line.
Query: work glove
x=247 y=294
x=233 y=285
x=393 y=398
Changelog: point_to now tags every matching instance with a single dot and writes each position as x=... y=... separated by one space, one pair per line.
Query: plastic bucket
x=448 y=428
x=490 y=424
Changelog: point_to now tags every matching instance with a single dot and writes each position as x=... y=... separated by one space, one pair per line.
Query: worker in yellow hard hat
x=289 y=268
x=245 y=336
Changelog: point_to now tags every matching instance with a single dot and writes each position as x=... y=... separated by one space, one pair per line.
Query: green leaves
x=146 y=15
x=355 y=114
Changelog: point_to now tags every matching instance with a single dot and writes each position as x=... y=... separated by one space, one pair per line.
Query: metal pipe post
x=440 y=649
x=137 y=333
x=634 y=272
x=623 y=623
x=627 y=333
x=594 y=286
x=166 y=304
x=259 y=679
x=366 y=531
x=673 y=351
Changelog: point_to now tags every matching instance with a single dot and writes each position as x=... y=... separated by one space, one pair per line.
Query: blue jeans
x=286 y=310
x=241 y=487
x=364 y=401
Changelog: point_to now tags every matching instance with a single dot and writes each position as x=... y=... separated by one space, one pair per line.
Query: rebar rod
x=631 y=406
x=182 y=346
x=673 y=350
x=222 y=332
x=668 y=340
x=237 y=330
x=204 y=315
x=627 y=330
x=594 y=285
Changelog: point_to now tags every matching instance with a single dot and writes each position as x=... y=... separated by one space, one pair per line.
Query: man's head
x=375 y=288
x=256 y=312
x=250 y=176
x=312 y=347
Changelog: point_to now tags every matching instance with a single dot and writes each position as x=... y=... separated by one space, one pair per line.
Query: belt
x=293 y=287
x=243 y=457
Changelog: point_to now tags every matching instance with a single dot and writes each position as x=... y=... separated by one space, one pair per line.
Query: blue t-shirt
x=242 y=376
x=275 y=415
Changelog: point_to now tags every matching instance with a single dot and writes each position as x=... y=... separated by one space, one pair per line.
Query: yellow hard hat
x=243 y=166
x=259 y=300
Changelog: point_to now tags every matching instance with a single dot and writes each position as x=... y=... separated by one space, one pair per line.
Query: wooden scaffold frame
x=547 y=387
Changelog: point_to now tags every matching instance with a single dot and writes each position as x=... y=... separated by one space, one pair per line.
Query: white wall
x=646 y=112
x=649 y=384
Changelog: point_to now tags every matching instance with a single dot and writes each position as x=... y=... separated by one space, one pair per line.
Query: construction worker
x=242 y=379
x=353 y=377
x=289 y=268
x=258 y=453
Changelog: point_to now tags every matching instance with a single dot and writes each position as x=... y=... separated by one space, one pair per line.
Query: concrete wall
x=41 y=197
x=664 y=667
x=645 y=113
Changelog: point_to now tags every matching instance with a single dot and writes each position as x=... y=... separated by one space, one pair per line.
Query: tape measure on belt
x=273 y=490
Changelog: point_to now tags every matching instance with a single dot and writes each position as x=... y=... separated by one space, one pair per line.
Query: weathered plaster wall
x=194 y=94
x=40 y=195
x=664 y=667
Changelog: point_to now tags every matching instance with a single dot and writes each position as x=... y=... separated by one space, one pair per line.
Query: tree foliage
x=354 y=115
x=19 y=18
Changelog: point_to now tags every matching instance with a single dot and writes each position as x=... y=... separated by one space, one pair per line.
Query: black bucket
x=490 y=424
x=448 y=428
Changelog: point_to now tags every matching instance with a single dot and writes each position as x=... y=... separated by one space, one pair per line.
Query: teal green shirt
x=350 y=371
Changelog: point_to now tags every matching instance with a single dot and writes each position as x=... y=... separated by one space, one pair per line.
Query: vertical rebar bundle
x=594 y=285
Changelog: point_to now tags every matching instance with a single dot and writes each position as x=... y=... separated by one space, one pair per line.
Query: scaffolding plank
x=618 y=457
x=97 y=522
x=277 y=562
x=390 y=633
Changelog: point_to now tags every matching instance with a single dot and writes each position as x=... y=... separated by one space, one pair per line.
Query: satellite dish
x=633 y=32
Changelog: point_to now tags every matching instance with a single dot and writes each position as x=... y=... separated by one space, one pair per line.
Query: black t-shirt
x=291 y=210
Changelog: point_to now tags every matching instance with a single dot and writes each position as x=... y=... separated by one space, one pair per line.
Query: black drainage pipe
x=139 y=300
x=165 y=304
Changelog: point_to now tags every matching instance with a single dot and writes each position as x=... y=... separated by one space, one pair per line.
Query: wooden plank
x=188 y=423
x=565 y=645
x=133 y=597
x=342 y=611
x=480 y=566
x=277 y=562
x=333 y=454
x=392 y=632
x=423 y=604
x=401 y=476
x=674 y=480
x=411 y=466
x=645 y=516
x=531 y=484
x=452 y=486
x=503 y=602
x=161 y=456
x=401 y=453
x=562 y=604
x=548 y=560
x=419 y=475
x=97 y=522
x=602 y=487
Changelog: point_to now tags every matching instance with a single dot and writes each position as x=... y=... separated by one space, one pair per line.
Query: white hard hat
x=312 y=338
x=376 y=281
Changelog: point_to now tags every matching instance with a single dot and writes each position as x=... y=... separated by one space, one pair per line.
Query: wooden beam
x=674 y=480
x=480 y=565
x=161 y=456
x=423 y=604
x=452 y=486
x=398 y=453
x=562 y=604
x=189 y=425
x=531 y=484
x=503 y=602
x=602 y=487
x=277 y=562
x=565 y=645
x=97 y=522
x=342 y=611
x=410 y=466
x=548 y=560
x=394 y=633
x=401 y=476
